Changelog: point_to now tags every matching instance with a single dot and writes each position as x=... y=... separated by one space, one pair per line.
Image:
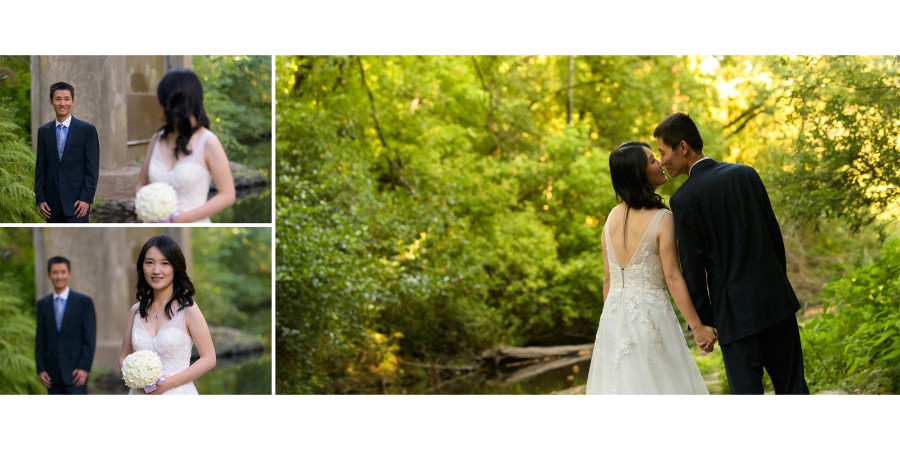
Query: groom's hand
x=45 y=378
x=705 y=338
x=45 y=209
x=79 y=377
x=81 y=208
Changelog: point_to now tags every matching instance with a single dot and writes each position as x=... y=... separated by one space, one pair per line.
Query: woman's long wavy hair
x=182 y=288
x=628 y=169
x=181 y=96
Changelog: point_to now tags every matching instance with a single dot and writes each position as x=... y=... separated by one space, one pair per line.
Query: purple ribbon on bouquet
x=153 y=386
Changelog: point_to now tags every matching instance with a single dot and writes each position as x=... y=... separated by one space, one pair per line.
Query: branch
x=490 y=115
x=392 y=164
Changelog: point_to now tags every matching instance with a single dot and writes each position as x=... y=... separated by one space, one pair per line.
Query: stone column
x=103 y=268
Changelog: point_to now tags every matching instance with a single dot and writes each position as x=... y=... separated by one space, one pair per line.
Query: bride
x=640 y=348
x=166 y=320
x=185 y=154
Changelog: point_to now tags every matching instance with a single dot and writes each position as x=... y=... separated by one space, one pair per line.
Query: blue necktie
x=61 y=133
x=59 y=312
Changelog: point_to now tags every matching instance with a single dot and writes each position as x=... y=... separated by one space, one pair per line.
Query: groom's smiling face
x=674 y=162
x=59 y=274
x=62 y=102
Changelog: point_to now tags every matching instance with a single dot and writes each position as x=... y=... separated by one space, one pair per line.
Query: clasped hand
x=706 y=338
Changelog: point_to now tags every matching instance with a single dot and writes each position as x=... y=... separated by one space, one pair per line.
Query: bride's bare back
x=625 y=236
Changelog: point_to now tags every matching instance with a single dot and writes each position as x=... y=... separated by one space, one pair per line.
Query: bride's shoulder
x=192 y=309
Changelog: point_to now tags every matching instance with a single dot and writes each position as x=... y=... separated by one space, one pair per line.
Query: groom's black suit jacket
x=72 y=347
x=61 y=183
x=731 y=250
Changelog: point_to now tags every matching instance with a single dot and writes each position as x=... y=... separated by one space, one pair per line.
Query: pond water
x=249 y=374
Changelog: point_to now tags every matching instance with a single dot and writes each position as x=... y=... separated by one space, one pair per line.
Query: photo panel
x=225 y=326
x=200 y=124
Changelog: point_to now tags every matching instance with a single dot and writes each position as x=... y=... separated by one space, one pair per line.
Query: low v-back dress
x=640 y=348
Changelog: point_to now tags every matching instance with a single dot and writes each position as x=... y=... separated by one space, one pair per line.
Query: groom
x=66 y=334
x=68 y=162
x=733 y=261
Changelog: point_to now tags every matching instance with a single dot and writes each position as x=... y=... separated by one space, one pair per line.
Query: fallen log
x=537 y=369
x=499 y=355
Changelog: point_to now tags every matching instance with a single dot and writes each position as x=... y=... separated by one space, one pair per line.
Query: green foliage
x=232 y=277
x=17 y=203
x=238 y=100
x=15 y=91
x=17 y=314
x=861 y=336
x=847 y=109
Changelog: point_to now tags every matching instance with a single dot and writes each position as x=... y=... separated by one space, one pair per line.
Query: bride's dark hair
x=181 y=96
x=182 y=288
x=628 y=169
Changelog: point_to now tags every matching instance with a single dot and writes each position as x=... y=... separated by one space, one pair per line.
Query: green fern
x=17 y=203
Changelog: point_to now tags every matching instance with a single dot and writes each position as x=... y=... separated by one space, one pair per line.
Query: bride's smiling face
x=158 y=271
x=655 y=174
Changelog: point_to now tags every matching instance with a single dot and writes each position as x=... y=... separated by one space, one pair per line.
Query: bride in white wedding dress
x=640 y=348
x=166 y=320
x=185 y=154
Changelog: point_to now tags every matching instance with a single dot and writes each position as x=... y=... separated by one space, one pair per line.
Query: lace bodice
x=172 y=343
x=189 y=176
x=645 y=268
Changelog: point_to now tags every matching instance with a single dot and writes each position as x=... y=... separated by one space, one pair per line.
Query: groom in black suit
x=68 y=162
x=733 y=261
x=66 y=334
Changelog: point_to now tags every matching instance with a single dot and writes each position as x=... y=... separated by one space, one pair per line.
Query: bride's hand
x=160 y=388
x=705 y=337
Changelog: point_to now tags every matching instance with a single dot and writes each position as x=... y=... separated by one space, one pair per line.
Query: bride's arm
x=605 y=264
x=669 y=255
x=217 y=162
x=126 y=339
x=144 y=175
x=199 y=332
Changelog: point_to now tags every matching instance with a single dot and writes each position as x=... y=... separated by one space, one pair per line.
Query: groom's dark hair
x=64 y=86
x=679 y=127
x=58 y=260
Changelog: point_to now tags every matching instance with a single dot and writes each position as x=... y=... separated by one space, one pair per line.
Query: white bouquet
x=142 y=370
x=155 y=202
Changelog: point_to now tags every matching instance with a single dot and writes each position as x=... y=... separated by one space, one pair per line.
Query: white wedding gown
x=189 y=176
x=173 y=345
x=640 y=348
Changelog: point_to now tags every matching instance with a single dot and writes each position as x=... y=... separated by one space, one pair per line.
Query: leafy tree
x=233 y=273
x=237 y=97
x=846 y=108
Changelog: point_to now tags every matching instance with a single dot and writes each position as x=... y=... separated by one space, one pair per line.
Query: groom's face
x=672 y=159
x=59 y=274
x=62 y=102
